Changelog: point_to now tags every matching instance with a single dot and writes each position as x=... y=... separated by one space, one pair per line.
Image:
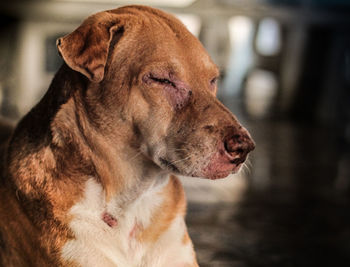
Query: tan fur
x=133 y=103
x=174 y=203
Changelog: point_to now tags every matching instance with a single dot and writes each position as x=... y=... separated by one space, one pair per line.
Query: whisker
x=245 y=168
x=136 y=155
x=179 y=160
x=249 y=163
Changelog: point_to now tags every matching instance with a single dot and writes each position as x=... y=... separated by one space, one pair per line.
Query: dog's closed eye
x=176 y=91
x=164 y=81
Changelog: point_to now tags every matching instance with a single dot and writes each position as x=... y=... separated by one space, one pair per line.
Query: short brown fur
x=108 y=114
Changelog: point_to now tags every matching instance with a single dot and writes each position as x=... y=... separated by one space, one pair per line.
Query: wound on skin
x=109 y=219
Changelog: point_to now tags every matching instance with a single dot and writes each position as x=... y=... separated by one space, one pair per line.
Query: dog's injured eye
x=158 y=79
x=176 y=91
x=162 y=81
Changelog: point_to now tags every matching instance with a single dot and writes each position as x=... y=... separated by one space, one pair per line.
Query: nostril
x=237 y=138
x=234 y=146
x=239 y=151
x=229 y=146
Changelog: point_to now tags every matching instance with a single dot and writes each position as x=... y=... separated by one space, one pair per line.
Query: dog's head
x=147 y=73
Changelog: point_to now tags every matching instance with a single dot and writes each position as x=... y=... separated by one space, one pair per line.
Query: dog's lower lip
x=227 y=154
x=224 y=174
x=233 y=160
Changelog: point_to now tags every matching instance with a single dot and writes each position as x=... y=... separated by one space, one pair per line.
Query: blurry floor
x=292 y=211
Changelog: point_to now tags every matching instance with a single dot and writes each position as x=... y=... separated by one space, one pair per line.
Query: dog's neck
x=64 y=149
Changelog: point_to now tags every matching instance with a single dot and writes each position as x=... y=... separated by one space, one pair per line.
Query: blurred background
x=285 y=73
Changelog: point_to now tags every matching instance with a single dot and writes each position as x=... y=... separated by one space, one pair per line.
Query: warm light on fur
x=89 y=173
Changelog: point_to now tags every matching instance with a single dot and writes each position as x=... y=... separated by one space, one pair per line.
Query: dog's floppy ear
x=86 y=49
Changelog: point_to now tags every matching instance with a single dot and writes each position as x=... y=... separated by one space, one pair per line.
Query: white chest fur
x=97 y=244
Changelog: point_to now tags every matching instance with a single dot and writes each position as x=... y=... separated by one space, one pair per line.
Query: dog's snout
x=239 y=144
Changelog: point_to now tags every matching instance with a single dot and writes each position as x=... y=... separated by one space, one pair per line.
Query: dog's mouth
x=225 y=157
x=220 y=165
x=225 y=161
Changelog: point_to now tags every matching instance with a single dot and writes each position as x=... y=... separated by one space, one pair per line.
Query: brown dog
x=87 y=179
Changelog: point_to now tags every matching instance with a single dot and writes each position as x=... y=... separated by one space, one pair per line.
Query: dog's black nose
x=239 y=144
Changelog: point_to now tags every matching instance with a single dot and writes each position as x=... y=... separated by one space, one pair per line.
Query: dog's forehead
x=176 y=45
x=162 y=37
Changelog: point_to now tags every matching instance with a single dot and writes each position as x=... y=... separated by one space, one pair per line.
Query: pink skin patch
x=221 y=164
x=177 y=95
x=134 y=230
x=109 y=219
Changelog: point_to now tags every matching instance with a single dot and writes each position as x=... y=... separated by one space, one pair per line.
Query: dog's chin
x=221 y=171
x=214 y=170
x=221 y=166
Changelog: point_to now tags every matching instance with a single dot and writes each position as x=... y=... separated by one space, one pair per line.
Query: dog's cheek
x=178 y=98
x=193 y=153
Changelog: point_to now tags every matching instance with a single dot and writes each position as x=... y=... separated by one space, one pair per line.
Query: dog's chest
x=106 y=235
